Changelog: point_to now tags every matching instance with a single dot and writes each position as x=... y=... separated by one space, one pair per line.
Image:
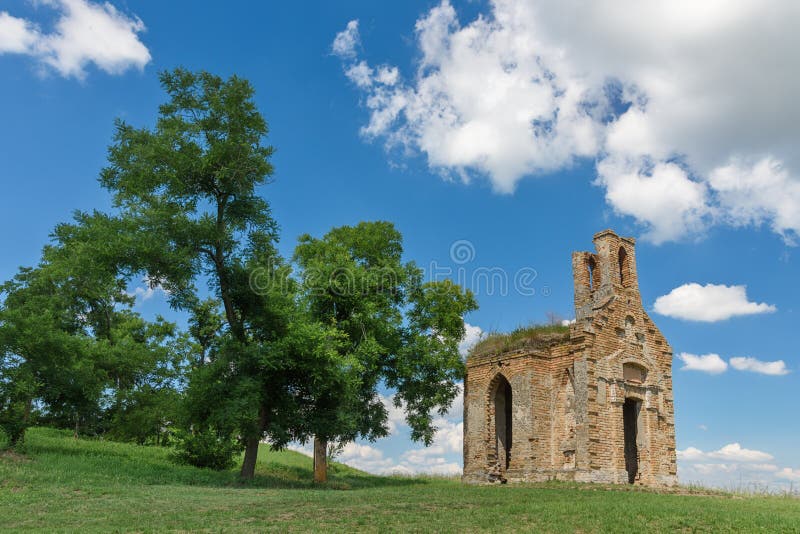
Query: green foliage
x=207 y=448
x=147 y=416
x=396 y=330
x=275 y=360
x=520 y=338
x=205 y=326
x=17 y=387
x=70 y=342
x=190 y=209
x=187 y=189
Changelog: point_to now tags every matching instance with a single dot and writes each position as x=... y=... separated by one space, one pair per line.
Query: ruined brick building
x=591 y=405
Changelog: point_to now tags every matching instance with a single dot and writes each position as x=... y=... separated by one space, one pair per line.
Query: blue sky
x=516 y=128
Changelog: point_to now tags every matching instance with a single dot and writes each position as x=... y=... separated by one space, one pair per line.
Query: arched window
x=592 y=267
x=623 y=266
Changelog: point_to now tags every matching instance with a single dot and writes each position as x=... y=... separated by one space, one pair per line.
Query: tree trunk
x=320 y=459
x=250 y=456
x=251 y=447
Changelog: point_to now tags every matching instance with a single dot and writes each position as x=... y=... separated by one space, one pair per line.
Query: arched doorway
x=630 y=416
x=501 y=400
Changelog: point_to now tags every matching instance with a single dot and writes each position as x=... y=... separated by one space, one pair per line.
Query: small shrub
x=207 y=449
x=13 y=431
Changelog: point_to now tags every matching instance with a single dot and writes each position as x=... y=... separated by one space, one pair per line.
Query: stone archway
x=630 y=416
x=500 y=403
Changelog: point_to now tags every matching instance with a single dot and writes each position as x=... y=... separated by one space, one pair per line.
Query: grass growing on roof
x=521 y=337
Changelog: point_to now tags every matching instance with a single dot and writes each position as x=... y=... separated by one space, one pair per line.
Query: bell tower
x=607 y=273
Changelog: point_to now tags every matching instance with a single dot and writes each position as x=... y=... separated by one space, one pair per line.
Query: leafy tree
x=70 y=342
x=47 y=351
x=397 y=329
x=205 y=326
x=187 y=192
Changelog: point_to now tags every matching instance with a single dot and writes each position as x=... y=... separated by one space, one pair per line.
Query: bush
x=208 y=449
x=12 y=428
x=146 y=417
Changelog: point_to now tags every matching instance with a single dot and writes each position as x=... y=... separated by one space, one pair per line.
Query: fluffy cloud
x=361 y=456
x=396 y=417
x=707 y=363
x=728 y=465
x=426 y=465
x=688 y=107
x=147 y=290
x=691 y=454
x=789 y=474
x=733 y=452
x=344 y=45
x=84 y=33
x=661 y=195
x=714 y=364
x=709 y=303
x=17 y=36
x=732 y=466
x=722 y=468
x=759 y=192
x=471 y=337
x=364 y=457
x=754 y=365
x=436 y=459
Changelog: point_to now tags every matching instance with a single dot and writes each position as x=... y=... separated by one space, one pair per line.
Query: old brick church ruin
x=591 y=405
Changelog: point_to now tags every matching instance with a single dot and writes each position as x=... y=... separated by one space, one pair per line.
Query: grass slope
x=62 y=484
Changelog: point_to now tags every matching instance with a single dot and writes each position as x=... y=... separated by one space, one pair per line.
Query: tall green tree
x=70 y=341
x=401 y=332
x=189 y=198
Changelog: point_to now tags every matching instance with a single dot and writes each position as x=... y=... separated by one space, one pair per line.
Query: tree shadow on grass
x=340 y=477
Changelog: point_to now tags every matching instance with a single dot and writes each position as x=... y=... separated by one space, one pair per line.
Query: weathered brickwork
x=597 y=407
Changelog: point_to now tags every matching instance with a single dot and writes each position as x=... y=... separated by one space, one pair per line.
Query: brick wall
x=567 y=399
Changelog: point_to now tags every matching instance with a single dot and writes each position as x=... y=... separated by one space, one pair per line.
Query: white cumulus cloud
x=706 y=363
x=661 y=195
x=472 y=335
x=733 y=466
x=754 y=365
x=17 y=36
x=344 y=45
x=732 y=452
x=687 y=107
x=85 y=33
x=789 y=474
x=147 y=290
x=708 y=303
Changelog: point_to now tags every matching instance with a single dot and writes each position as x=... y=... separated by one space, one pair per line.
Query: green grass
x=522 y=337
x=63 y=484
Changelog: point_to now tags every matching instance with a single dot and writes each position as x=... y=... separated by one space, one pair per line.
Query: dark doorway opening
x=630 y=414
x=503 y=426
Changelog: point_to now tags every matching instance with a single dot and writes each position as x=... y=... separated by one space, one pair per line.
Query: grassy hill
x=63 y=484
